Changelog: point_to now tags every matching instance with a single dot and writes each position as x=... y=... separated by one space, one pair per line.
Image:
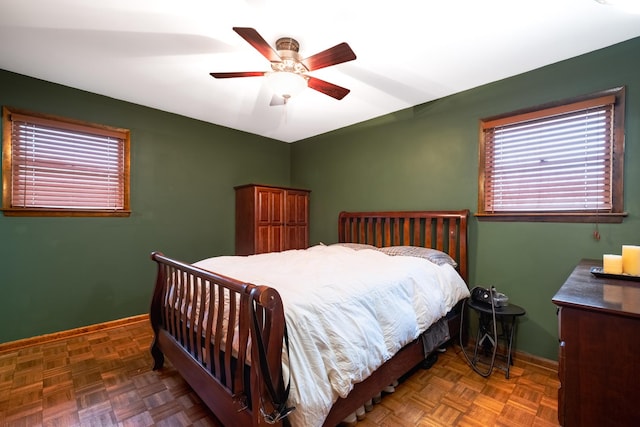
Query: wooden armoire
x=271 y=219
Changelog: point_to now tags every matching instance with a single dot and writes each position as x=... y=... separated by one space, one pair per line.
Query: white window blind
x=66 y=165
x=554 y=160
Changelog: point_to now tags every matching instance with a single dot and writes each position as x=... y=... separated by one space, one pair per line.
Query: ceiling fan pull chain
x=285 y=109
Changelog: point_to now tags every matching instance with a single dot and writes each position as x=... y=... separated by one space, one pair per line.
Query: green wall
x=63 y=273
x=426 y=157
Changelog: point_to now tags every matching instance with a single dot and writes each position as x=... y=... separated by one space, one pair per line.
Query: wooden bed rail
x=445 y=231
x=209 y=316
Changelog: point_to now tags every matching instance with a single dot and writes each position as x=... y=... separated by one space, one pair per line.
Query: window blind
x=560 y=160
x=60 y=167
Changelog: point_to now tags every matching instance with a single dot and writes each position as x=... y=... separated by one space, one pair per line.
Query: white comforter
x=347 y=312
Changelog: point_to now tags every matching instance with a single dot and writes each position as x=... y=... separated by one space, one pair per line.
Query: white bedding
x=347 y=312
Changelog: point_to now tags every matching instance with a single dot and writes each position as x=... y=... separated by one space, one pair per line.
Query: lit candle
x=612 y=264
x=631 y=260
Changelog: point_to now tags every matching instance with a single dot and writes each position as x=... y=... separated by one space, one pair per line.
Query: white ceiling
x=159 y=53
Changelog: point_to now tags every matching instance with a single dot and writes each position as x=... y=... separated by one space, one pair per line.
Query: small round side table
x=506 y=319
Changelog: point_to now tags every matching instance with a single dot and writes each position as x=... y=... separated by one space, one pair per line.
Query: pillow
x=433 y=255
x=356 y=246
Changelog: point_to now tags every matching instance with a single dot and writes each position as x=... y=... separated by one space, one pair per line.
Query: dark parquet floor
x=104 y=378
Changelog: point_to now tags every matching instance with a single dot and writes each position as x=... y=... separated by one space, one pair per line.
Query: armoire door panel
x=270 y=206
x=297 y=207
x=297 y=237
x=263 y=239
x=277 y=207
x=263 y=207
x=276 y=243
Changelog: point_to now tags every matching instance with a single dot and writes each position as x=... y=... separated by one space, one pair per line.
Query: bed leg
x=158 y=356
x=429 y=361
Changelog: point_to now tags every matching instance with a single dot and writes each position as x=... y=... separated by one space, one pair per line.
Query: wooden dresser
x=599 y=358
x=271 y=219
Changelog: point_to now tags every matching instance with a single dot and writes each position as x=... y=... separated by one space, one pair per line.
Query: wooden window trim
x=70 y=124
x=617 y=213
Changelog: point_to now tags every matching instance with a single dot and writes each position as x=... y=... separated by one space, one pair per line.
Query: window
x=560 y=162
x=53 y=166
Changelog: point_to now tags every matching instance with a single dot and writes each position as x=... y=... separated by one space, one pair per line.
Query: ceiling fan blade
x=335 y=55
x=254 y=39
x=327 y=88
x=238 y=74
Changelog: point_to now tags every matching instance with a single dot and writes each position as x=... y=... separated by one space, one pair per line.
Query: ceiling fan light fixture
x=286 y=84
x=289 y=72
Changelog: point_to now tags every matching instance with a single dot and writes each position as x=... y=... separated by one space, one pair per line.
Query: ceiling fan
x=289 y=72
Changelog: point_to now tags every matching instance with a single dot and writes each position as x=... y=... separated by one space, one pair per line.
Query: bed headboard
x=445 y=231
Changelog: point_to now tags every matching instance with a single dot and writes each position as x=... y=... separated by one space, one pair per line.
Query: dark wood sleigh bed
x=211 y=347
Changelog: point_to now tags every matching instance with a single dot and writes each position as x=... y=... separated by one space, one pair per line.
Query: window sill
x=590 y=217
x=64 y=212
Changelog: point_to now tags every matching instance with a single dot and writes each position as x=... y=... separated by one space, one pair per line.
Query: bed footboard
x=204 y=323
